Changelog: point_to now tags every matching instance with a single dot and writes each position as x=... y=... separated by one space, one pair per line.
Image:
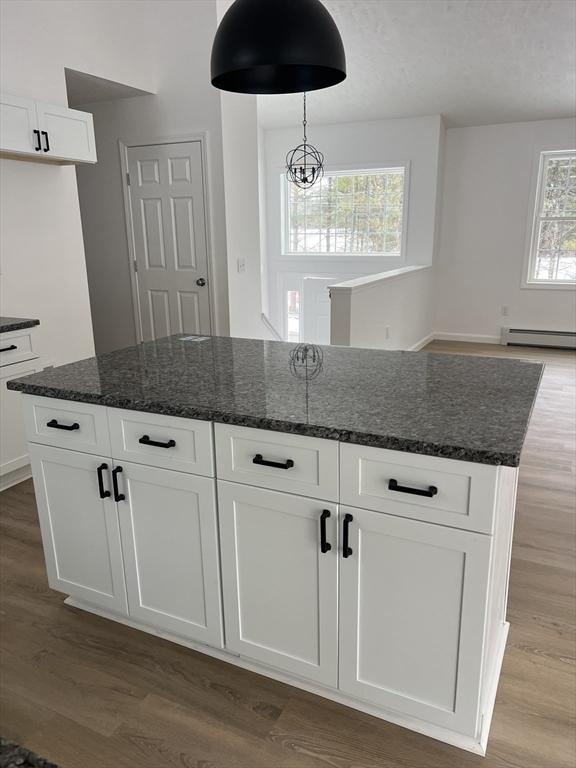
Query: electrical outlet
x=241 y=265
x=504 y=310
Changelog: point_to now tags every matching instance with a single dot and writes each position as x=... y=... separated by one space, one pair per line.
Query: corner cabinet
x=374 y=578
x=31 y=130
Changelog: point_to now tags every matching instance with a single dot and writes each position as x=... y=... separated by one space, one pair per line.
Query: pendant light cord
x=304 y=121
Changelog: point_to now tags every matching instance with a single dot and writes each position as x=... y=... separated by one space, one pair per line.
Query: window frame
x=363 y=170
x=528 y=279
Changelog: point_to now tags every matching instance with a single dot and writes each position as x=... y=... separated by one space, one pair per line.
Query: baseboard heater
x=535 y=338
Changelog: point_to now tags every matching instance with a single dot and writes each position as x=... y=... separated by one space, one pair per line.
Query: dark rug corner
x=14 y=756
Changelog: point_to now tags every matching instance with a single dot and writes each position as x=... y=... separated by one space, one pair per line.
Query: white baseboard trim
x=474 y=337
x=473 y=744
x=422 y=343
x=15 y=477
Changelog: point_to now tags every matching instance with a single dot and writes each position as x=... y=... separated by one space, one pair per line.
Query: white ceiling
x=474 y=61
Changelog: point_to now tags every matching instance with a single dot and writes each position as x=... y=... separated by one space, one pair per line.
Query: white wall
x=186 y=103
x=415 y=143
x=488 y=202
x=392 y=310
x=43 y=268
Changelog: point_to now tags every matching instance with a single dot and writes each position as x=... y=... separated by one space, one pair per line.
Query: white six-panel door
x=280 y=591
x=170 y=540
x=412 y=611
x=80 y=531
x=170 y=243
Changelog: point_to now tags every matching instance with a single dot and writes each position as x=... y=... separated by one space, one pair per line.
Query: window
x=553 y=246
x=352 y=213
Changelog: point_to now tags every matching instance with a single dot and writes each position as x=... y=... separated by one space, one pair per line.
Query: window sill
x=548 y=286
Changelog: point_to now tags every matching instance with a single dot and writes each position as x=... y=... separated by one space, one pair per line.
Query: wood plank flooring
x=88 y=693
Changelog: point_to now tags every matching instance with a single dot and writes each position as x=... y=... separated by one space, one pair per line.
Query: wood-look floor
x=88 y=693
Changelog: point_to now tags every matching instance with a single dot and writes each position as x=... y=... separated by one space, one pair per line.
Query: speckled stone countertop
x=456 y=406
x=16 y=323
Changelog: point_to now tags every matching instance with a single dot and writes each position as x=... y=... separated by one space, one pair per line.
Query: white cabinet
x=280 y=589
x=13 y=444
x=79 y=524
x=170 y=543
x=413 y=601
x=45 y=132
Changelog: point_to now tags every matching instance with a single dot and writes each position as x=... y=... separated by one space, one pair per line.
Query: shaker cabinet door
x=170 y=541
x=412 y=603
x=66 y=134
x=280 y=589
x=80 y=531
x=17 y=124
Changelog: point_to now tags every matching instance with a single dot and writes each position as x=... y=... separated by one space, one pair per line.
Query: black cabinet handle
x=288 y=464
x=145 y=440
x=69 y=427
x=432 y=490
x=346 y=550
x=104 y=494
x=325 y=546
x=115 y=472
x=38 y=146
x=47 y=147
x=9 y=349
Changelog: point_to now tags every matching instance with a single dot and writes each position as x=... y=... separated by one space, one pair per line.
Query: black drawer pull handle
x=288 y=464
x=432 y=490
x=103 y=493
x=9 y=349
x=38 y=146
x=325 y=546
x=47 y=147
x=145 y=440
x=69 y=427
x=346 y=549
x=117 y=496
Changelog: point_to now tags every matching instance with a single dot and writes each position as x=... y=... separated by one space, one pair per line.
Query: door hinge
x=127 y=179
x=135 y=265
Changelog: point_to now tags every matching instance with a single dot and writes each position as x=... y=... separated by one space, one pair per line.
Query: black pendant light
x=277 y=46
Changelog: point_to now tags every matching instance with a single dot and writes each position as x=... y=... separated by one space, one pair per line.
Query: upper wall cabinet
x=46 y=133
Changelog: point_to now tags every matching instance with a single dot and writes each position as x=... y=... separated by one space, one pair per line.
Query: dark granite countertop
x=456 y=406
x=16 y=323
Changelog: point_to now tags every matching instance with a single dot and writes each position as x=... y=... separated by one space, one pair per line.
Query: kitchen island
x=336 y=518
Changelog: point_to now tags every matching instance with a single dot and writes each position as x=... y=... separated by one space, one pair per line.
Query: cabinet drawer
x=436 y=490
x=162 y=441
x=16 y=347
x=66 y=424
x=306 y=466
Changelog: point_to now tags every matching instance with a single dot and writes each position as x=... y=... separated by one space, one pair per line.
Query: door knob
x=201 y=282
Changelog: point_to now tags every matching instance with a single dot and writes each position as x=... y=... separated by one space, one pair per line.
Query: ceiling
x=476 y=62
x=88 y=89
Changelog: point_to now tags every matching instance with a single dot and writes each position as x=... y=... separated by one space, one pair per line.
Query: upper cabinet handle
x=47 y=147
x=432 y=490
x=145 y=440
x=288 y=464
x=325 y=546
x=54 y=424
x=38 y=146
x=9 y=349
x=117 y=496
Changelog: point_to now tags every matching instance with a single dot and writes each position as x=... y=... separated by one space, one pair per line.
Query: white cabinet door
x=67 y=134
x=80 y=530
x=170 y=541
x=17 y=125
x=280 y=590
x=412 y=609
x=13 y=443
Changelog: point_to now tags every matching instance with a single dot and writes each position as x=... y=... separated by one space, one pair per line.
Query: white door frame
x=123 y=147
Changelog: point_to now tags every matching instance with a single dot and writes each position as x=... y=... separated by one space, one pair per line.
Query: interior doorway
x=167 y=233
